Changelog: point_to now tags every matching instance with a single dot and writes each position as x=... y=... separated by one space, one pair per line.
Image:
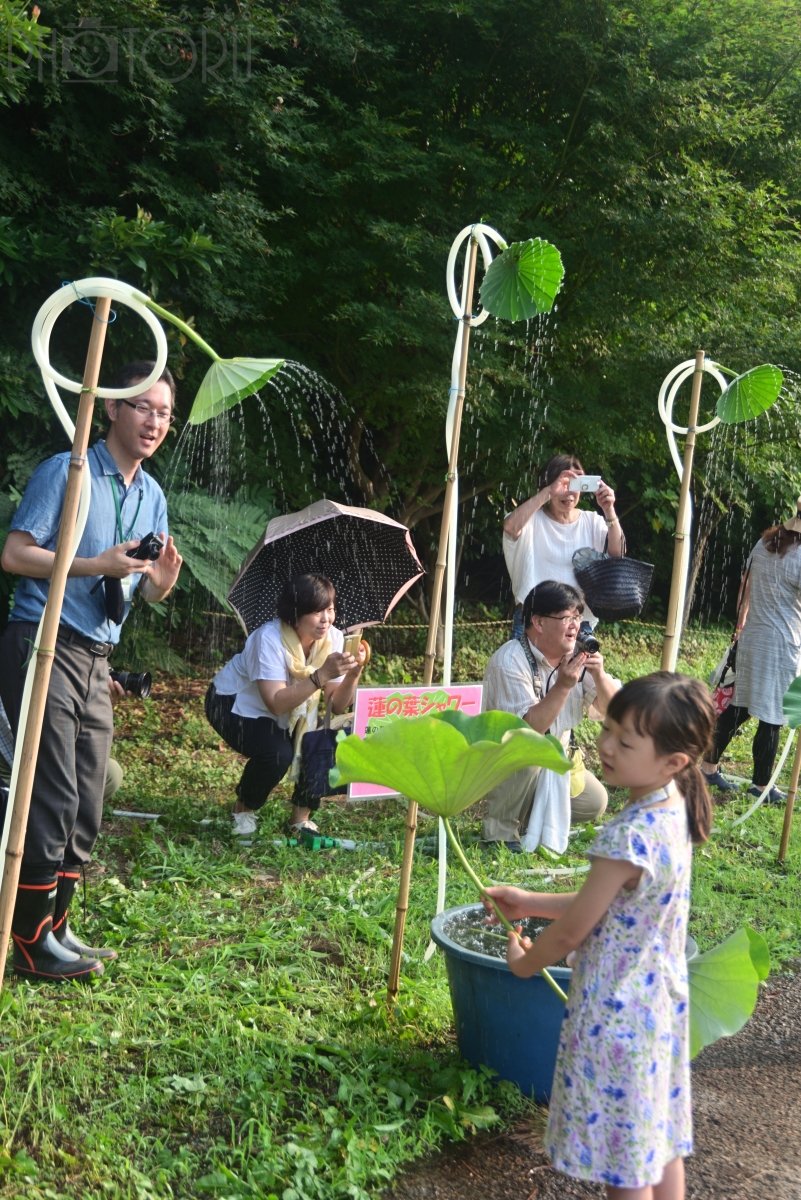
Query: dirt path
x=747 y=1113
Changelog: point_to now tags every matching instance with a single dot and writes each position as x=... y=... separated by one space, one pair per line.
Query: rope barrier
x=503 y=624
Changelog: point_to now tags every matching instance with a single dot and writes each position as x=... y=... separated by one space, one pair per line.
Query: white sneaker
x=244 y=824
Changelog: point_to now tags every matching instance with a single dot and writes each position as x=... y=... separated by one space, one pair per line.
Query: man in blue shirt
x=67 y=798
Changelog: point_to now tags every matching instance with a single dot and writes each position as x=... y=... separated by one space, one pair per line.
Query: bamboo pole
x=670 y=645
x=402 y=906
x=790 y=804
x=452 y=476
x=44 y=650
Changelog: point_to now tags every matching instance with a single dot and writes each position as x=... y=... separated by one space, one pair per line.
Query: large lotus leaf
x=229 y=380
x=791 y=703
x=431 y=761
x=724 y=983
x=750 y=394
x=485 y=727
x=523 y=280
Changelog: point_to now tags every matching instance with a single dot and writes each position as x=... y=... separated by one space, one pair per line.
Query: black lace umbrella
x=368 y=557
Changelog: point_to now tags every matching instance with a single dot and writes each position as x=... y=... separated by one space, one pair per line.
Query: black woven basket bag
x=614 y=588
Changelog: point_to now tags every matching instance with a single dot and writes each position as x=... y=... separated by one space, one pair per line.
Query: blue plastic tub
x=511 y=1025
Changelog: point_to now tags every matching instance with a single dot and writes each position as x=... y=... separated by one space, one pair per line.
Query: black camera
x=586 y=641
x=149 y=548
x=135 y=685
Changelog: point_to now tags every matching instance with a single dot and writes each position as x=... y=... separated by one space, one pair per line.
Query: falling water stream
x=275 y=452
x=734 y=493
x=509 y=378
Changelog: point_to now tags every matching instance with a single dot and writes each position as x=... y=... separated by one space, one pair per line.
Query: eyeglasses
x=144 y=410
x=575 y=618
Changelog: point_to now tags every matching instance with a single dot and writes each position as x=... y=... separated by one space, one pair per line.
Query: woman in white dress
x=541 y=535
x=768 y=653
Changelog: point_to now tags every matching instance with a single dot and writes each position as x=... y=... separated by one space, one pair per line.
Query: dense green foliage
x=290 y=177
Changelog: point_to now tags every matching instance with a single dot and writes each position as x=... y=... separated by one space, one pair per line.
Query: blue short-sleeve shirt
x=143 y=510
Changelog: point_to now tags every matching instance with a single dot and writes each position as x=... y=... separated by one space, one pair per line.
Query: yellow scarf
x=300 y=667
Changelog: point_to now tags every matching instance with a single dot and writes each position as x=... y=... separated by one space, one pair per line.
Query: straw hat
x=794 y=524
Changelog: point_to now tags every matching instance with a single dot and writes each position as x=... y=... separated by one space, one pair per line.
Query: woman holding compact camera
x=265 y=700
x=542 y=534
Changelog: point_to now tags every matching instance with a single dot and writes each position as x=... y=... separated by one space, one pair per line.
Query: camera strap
x=536 y=678
x=114 y=484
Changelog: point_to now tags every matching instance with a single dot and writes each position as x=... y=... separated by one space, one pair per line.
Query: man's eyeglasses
x=144 y=410
x=574 y=617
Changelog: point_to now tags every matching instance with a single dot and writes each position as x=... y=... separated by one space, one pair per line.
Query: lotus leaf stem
x=482 y=891
x=166 y=315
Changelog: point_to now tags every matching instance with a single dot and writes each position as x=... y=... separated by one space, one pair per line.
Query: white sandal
x=306 y=826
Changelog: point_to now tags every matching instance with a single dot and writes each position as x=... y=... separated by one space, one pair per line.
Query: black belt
x=99 y=649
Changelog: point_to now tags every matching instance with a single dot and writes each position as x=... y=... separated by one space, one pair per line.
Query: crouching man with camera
x=550 y=678
x=117 y=556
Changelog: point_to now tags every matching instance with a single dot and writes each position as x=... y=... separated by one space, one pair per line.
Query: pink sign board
x=375 y=707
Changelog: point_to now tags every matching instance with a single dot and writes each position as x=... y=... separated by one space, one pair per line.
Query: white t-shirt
x=263 y=657
x=545 y=550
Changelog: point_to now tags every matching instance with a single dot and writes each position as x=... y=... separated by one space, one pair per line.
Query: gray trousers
x=508 y=806
x=67 y=798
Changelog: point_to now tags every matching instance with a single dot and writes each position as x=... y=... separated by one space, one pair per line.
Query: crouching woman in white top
x=265 y=699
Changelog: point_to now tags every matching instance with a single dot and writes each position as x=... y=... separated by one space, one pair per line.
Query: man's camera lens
x=133 y=684
x=586 y=641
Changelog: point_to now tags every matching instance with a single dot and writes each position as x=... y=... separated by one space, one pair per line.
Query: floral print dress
x=620 y=1105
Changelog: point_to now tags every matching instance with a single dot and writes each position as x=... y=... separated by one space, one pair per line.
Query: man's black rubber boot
x=65 y=887
x=37 y=952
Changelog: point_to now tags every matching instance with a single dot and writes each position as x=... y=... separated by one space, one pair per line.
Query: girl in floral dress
x=620 y=1105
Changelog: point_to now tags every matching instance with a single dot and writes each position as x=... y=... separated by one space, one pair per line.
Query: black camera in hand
x=148 y=549
x=586 y=641
x=134 y=684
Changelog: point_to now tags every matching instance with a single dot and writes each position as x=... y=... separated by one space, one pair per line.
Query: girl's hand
x=514 y=903
x=516 y=949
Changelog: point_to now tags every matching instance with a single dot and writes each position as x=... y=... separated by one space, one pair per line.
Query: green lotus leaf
x=229 y=380
x=750 y=394
x=446 y=762
x=523 y=280
x=724 y=983
x=791 y=703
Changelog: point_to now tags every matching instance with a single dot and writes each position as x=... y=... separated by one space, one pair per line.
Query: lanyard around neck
x=114 y=484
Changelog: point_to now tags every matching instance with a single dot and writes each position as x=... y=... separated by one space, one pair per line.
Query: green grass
x=241 y=1045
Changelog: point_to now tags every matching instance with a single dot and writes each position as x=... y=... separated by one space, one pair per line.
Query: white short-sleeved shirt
x=509 y=687
x=545 y=550
x=263 y=657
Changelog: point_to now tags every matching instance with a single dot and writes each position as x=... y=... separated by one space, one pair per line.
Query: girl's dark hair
x=778 y=540
x=559 y=463
x=676 y=711
x=304 y=594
